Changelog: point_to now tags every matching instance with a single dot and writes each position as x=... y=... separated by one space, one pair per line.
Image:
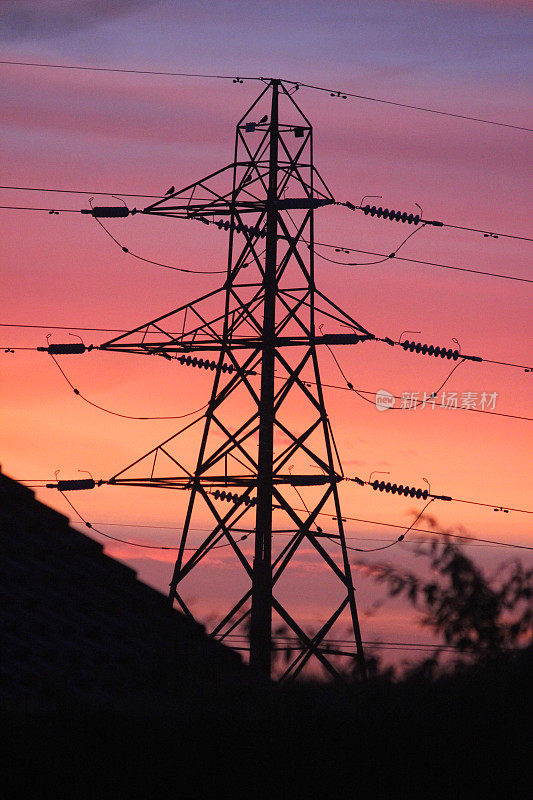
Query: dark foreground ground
x=460 y=737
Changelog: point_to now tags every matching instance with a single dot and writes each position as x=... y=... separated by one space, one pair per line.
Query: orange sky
x=130 y=133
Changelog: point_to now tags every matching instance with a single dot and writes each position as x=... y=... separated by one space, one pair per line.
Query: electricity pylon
x=265 y=423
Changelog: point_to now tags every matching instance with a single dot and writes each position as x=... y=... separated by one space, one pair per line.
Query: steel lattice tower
x=261 y=329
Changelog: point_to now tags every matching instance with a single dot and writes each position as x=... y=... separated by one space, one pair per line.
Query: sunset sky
x=138 y=133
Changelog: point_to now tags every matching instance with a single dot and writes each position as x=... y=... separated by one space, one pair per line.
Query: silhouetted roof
x=75 y=622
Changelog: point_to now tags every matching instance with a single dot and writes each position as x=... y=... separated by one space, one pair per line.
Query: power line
x=131 y=71
x=338 y=248
x=464 y=540
x=491 y=505
x=343 y=249
x=425 y=493
x=116 y=413
x=416 y=219
x=122 y=247
x=143 y=545
x=40 y=208
x=83 y=191
x=488 y=233
x=448 y=353
x=395 y=541
x=347 y=388
x=397 y=408
x=382 y=256
x=158 y=263
x=437 y=405
x=297 y=84
x=431 y=398
x=332 y=538
x=63 y=328
x=349 y=653
x=361 y=392
x=345 y=95
x=385 y=257
x=369 y=643
x=93 y=192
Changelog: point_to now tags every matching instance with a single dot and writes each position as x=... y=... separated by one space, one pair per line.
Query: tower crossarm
x=227 y=207
x=241 y=343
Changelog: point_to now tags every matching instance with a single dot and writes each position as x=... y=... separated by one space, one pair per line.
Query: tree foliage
x=481 y=617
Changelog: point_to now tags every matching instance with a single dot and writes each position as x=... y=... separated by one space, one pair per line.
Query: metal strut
x=264 y=442
x=261 y=615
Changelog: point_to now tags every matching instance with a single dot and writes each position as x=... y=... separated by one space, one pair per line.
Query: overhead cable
x=116 y=413
x=383 y=257
x=464 y=539
x=348 y=387
x=409 y=491
x=143 y=545
x=84 y=191
x=296 y=84
x=417 y=219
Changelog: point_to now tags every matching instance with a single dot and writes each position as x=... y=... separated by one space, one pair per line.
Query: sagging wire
x=396 y=541
x=360 y=549
x=369 y=263
x=125 y=541
x=416 y=403
x=340 y=248
x=464 y=538
x=347 y=387
x=116 y=413
x=157 y=263
x=332 y=261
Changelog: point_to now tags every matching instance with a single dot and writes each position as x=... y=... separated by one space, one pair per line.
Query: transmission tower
x=254 y=476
